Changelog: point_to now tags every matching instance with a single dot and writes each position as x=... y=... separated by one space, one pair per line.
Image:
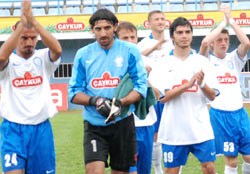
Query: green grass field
x=68 y=134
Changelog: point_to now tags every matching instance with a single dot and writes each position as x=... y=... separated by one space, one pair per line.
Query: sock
x=230 y=170
x=245 y=168
x=157 y=157
x=180 y=170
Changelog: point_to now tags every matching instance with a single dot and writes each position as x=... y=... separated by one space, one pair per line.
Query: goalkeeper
x=97 y=71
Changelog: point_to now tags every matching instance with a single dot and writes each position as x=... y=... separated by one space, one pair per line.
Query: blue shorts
x=158 y=109
x=175 y=156
x=145 y=139
x=231 y=131
x=27 y=147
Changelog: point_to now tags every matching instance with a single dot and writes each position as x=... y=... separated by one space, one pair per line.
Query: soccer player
x=97 y=71
x=26 y=105
x=229 y=119
x=185 y=126
x=156 y=46
x=144 y=128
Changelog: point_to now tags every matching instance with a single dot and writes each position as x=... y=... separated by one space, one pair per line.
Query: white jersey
x=227 y=72
x=150 y=119
x=185 y=119
x=149 y=42
x=25 y=83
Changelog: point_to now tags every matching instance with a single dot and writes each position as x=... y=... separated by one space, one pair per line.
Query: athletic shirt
x=97 y=72
x=185 y=119
x=227 y=72
x=151 y=60
x=149 y=42
x=25 y=83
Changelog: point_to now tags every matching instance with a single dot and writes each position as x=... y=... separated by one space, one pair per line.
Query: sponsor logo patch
x=194 y=88
x=105 y=82
x=27 y=81
x=227 y=79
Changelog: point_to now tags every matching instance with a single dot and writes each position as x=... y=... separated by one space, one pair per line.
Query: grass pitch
x=68 y=135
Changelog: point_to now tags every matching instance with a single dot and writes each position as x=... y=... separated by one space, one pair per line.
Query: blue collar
x=151 y=36
x=172 y=52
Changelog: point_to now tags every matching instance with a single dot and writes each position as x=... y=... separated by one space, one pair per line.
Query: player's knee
x=231 y=161
x=246 y=158
x=208 y=168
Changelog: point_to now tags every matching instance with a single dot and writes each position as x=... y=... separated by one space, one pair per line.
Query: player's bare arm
x=244 y=41
x=173 y=93
x=10 y=44
x=48 y=39
x=157 y=46
x=204 y=49
x=131 y=98
x=81 y=99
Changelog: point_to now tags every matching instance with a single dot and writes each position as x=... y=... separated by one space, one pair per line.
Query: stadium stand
x=64 y=7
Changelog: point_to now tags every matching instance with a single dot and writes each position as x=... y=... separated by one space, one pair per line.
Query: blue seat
x=107 y=2
x=176 y=7
x=39 y=4
x=4 y=12
x=38 y=11
x=141 y=8
x=124 y=9
x=73 y=10
x=73 y=3
x=55 y=11
x=17 y=12
x=210 y=7
x=89 y=10
x=111 y=8
x=242 y=5
x=156 y=7
x=193 y=7
x=55 y=3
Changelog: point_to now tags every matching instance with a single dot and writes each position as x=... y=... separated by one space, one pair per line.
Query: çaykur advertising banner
x=80 y=23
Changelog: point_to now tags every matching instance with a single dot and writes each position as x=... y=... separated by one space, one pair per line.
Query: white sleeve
x=49 y=65
x=238 y=61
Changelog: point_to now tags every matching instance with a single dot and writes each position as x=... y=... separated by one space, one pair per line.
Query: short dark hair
x=103 y=14
x=127 y=26
x=18 y=22
x=150 y=14
x=177 y=22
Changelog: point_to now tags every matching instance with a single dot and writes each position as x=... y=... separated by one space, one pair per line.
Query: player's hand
x=227 y=13
x=115 y=110
x=27 y=11
x=158 y=46
x=102 y=105
x=199 y=77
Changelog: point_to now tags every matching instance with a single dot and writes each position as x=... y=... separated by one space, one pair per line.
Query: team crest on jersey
x=230 y=65
x=105 y=82
x=27 y=81
x=119 y=61
x=37 y=61
x=194 y=88
x=227 y=79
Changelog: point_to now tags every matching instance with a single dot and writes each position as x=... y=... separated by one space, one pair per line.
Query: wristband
x=202 y=84
x=231 y=21
x=223 y=24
